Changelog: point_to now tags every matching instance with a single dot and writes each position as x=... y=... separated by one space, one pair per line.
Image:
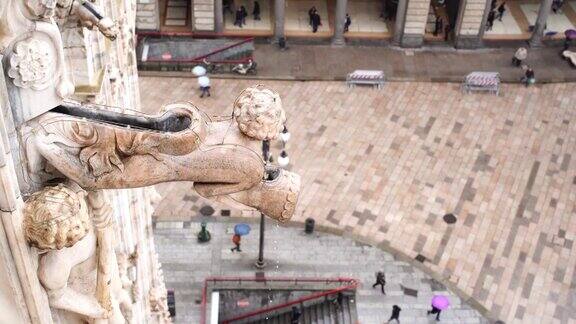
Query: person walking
x=519 y=56
x=256 y=11
x=244 y=14
x=347 y=23
x=236 y=240
x=295 y=315
x=204 y=84
x=529 y=77
x=380 y=280
x=490 y=21
x=384 y=11
x=436 y=311
x=311 y=13
x=501 y=10
x=316 y=22
x=438 y=26
x=395 y=314
x=238 y=18
x=556 y=5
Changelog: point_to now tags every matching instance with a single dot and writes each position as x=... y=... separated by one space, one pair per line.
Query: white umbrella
x=203 y=81
x=199 y=70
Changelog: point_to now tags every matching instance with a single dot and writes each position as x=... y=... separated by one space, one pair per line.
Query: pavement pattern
x=384 y=166
x=186 y=263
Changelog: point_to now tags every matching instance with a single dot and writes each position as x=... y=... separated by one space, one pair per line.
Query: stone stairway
x=323 y=311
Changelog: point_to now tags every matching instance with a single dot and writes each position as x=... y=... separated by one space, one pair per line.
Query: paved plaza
x=186 y=263
x=384 y=167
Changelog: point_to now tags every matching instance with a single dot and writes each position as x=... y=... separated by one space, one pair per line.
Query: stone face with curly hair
x=55 y=218
x=259 y=113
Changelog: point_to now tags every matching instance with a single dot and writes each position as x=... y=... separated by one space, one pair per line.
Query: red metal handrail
x=198 y=59
x=157 y=60
x=353 y=285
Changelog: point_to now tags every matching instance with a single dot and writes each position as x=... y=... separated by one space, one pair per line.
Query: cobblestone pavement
x=385 y=166
x=186 y=263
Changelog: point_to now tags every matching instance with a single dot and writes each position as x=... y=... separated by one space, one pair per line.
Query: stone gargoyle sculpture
x=102 y=149
x=88 y=15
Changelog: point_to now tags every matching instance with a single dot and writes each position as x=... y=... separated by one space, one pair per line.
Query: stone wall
x=147 y=15
x=472 y=18
x=415 y=23
x=104 y=72
x=203 y=15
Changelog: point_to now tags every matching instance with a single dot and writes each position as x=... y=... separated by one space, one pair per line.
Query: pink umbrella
x=440 y=302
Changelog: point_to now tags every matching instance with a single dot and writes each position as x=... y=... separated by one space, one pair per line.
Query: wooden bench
x=371 y=77
x=482 y=81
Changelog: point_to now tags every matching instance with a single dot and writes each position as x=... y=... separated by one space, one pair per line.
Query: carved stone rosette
x=31 y=64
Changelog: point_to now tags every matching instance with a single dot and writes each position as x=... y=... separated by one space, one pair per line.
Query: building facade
x=52 y=52
x=408 y=23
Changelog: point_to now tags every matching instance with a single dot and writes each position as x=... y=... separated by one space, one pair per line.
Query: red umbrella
x=440 y=302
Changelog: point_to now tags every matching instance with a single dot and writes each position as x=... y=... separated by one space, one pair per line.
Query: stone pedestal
x=412 y=40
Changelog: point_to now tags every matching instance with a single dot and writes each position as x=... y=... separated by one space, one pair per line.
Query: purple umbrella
x=570 y=34
x=440 y=302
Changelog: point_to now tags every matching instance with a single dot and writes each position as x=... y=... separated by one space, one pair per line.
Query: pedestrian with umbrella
x=239 y=231
x=439 y=303
x=203 y=80
x=204 y=83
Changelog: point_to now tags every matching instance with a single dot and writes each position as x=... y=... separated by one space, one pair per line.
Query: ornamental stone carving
x=99 y=149
x=74 y=231
x=56 y=217
x=259 y=113
x=31 y=64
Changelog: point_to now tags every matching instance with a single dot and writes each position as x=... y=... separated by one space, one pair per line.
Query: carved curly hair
x=259 y=113
x=55 y=217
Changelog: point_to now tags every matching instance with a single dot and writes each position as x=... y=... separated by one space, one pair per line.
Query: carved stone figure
x=89 y=16
x=99 y=149
x=30 y=38
x=259 y=113
x=57 y=221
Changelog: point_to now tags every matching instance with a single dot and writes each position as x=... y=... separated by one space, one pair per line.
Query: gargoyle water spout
x=99 y=149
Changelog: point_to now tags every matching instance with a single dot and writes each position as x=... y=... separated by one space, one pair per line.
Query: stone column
x=415 y=23
x=399 y=22
x=339 y=20
x=469 y=27
x=279 y=13
x=218 y=16
x=536 y=39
